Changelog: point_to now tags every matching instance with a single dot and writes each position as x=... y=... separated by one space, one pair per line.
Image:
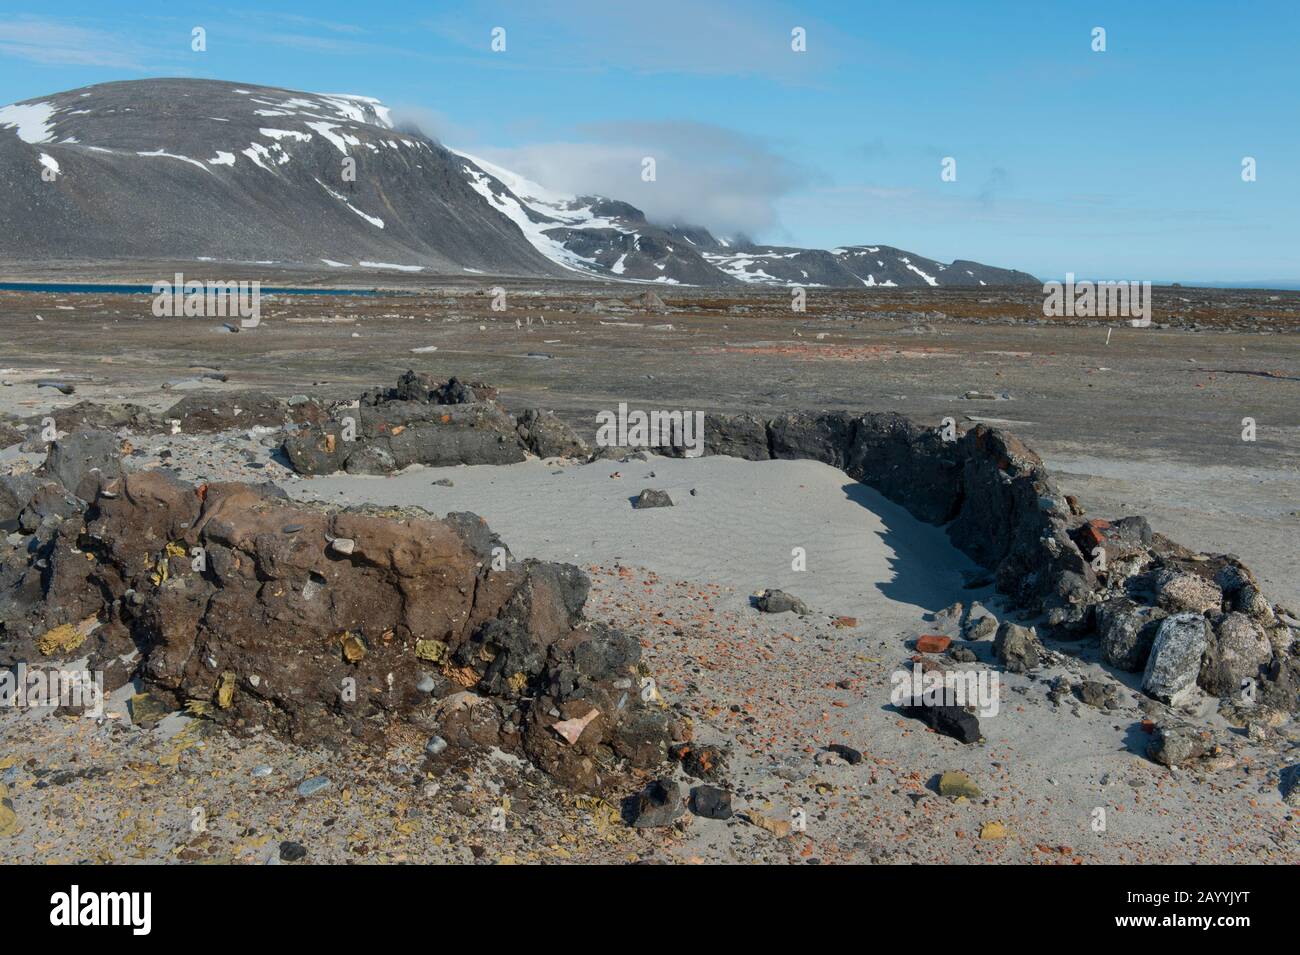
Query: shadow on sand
x=926 y=569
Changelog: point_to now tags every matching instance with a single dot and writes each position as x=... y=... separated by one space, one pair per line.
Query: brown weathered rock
x=237 y=599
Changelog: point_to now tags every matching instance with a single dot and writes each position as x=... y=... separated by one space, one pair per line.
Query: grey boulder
x=85 y=460
x=1018 y=648
x=1235 y=654
x=1175 y=660
x=1126 y=631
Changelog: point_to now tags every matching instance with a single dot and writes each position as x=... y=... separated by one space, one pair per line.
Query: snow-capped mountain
x=866 y=265
x=613 y=239
x=591 y=234
x=175 y=169
x=178 y=168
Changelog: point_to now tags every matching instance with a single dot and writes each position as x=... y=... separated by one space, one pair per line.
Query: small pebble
x=309 y=787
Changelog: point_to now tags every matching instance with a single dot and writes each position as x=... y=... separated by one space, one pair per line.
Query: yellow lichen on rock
x=432 y=650
x=226 y=690
x=66 y=638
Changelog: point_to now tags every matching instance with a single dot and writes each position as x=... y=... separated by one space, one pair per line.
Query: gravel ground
x=770 y=689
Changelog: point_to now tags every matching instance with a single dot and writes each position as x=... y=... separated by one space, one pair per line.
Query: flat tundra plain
x=1130 y=420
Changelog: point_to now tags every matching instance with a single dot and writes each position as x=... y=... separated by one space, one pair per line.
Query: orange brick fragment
x=933 y=643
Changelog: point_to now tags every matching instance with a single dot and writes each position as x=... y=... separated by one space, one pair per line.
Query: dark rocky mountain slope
x=179 y=168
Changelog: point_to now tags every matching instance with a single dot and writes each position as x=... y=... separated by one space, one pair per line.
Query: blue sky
x=1124 y=164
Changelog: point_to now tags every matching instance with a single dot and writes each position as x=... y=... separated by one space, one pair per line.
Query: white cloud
x=706 y=175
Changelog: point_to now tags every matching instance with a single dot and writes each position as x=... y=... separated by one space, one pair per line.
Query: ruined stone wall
x=322 y=624
x=1117 y=582
x=1179 y=617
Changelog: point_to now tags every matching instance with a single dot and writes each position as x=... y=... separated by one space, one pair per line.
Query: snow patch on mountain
x=741 y=266
x=373 y=220
x=535 y=209
x=390 y=265
x=930 y=279
x=167 y=155
x=32 y=120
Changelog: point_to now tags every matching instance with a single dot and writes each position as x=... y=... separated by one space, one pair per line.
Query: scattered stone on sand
x=955 y=783
x=847 y=753
x=780 y=828
x=1102 y=696
x=658 y=804
x=993 y=830
x=309 y=787
x=778 y=601
x=146 y=709
x=953 y=721
x=949 y=614
x=711 y=802
x=1060 y=690
x=650 y=497
x=980 y=628
x=1177 y=744
x=1017 y=647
